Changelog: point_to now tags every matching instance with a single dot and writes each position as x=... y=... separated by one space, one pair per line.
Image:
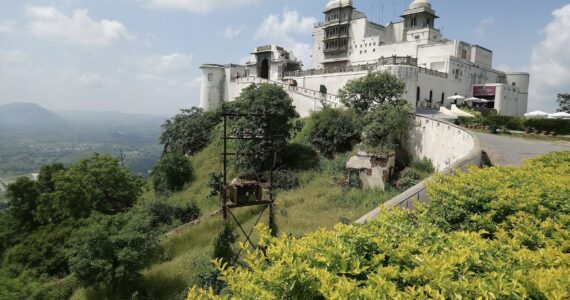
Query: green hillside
x=317 y=203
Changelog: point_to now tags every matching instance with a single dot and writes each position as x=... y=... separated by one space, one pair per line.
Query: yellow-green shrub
x=429 y=254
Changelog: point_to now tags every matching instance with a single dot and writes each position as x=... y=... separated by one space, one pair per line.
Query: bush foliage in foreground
x=406 y=255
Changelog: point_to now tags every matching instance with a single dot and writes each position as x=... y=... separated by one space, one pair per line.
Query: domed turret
x=338 y=3
x=420 y=4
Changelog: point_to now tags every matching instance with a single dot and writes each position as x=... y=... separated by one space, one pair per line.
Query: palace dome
x=420 y=4
x=338 y=3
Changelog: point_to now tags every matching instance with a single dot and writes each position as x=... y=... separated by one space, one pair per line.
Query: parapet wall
x=441 y=142
x=449 y=147
x=305 y=100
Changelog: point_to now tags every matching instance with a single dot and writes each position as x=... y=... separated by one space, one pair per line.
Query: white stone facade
x=346 y=46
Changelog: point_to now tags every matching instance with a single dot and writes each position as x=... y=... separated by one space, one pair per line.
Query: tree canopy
x=171 y=173
x=363 y=94
x=189 y=131
x=387 y=126
x=112 y=250
x=260 y=99
x=564 y=103
x=333 y=131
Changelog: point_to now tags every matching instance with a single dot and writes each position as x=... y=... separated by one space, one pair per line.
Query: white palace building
x=346 y=46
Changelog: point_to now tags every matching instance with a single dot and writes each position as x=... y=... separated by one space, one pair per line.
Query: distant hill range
x=30 y=117
x=31 y=136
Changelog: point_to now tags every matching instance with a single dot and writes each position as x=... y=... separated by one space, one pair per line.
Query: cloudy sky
x=142 y=56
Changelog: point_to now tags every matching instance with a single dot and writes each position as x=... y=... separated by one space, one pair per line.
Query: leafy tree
x=112 y=250
x=171 y=173
x=363 y=94
x=333 y=131
x=223 y=247
x=387 y=126
x=564 y=103
x=23 y=196
x=189 y=131
x=263 y=98
x=46 y=177
x=95 y=183
x=41 y=251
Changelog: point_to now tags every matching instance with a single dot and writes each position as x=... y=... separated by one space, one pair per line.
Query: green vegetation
x=171 y=173
x=560 y=126
x=112 y=250
x=490 y=233
x=563 y=103
x=258 y=99
x=74 y=227
x=388 y=126
x=418 y=170
x=376 y=88
x=332 y=131
x=100 y=225
x=33 y=137
x=189 y=131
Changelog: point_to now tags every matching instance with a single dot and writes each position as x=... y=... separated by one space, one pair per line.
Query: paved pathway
x=504 y=150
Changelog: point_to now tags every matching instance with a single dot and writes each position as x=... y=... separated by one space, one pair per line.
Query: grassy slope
x=316 y=204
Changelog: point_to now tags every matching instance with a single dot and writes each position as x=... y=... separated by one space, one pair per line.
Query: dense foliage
x=333 y=131
x=171 y=173
x=167 y=214
x=190 y=131
x=363 y=94
x=112 y=250
x=74 y=223
x=262 y=99
x=563 y=103
x=387 y=126
x=481 y=249
x=530 y=203
x=559 y=126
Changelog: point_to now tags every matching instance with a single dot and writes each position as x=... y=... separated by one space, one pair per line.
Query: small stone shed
x=374 y=170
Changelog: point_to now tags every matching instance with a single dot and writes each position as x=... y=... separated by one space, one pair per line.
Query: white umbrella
x=538 y=113
x=473 y=99
x=456 y=97
x=560 y=115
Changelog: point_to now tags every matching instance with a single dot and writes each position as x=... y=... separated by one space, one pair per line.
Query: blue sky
x=142 y=56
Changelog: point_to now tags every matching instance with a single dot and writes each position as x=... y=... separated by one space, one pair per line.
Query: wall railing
x=418 y=193
x=383 y=61
x=327 y=99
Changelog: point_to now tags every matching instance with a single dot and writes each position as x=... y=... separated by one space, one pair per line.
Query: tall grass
x=317 y=203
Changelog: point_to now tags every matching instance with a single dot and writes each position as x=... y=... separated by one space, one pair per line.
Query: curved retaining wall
x=449 y=147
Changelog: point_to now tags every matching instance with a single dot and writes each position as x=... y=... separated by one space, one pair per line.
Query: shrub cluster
x=333 y=131
x=559 y=126
x=490 y=233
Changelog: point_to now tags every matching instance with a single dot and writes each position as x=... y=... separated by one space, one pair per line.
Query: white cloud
x=285 y=31
x=7 y=27
x=78 y=28
x=483 y=26
x=196 y=6
x=12 y=56
x=155 y=66
x=89 y=79
x=232 y=32
x=550 y=63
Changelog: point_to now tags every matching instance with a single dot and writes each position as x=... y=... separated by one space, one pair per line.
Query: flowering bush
x=481 y=249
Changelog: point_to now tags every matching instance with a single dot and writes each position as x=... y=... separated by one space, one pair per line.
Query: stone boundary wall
x=449 y=147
